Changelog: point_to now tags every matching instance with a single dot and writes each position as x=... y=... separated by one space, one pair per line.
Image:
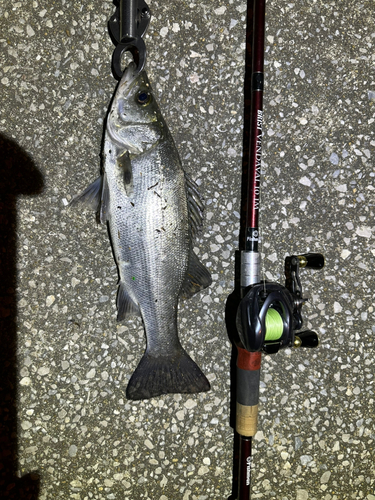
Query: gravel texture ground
x=67 y=430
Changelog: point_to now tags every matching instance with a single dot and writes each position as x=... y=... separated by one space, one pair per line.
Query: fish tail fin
x=165 y=374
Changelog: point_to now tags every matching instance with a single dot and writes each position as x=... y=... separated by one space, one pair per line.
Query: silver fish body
x=153 y=211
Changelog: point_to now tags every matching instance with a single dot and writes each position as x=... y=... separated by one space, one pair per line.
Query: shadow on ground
x=18 y=177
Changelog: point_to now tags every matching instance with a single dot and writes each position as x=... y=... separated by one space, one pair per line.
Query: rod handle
x=246 y=420
x=248 y=377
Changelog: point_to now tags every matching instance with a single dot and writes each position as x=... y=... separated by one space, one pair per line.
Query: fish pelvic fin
x=95 y=197
x=166 y=374
x=125 y=304
x=104 y=202
x=197 y=278
x=91 y=196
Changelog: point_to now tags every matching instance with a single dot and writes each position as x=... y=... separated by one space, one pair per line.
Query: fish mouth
x=129 y=76
x=117 y=126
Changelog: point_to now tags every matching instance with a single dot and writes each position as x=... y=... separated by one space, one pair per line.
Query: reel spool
x=270 y=314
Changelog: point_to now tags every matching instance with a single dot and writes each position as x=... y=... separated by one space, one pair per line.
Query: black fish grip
x=127 y=27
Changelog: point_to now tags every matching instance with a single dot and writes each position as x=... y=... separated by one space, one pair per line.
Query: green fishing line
x=274 y=325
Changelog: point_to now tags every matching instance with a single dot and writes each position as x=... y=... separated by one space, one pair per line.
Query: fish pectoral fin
x=125 y=165
x=172 y=373
x=91 y=196
x=125 y=304
x=197 y=277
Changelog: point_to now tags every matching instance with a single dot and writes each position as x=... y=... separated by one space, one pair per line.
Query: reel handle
x=311 y=260
x=307 y=339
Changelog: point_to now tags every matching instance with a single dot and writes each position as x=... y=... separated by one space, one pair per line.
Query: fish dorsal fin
x=195 y=205
x=197 y=277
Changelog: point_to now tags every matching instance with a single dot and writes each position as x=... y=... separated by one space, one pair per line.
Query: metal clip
x=126 y=27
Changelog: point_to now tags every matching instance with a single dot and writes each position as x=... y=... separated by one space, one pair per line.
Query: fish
x=153 y=211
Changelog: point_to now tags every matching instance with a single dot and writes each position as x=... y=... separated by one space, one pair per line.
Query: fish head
x=135 y=122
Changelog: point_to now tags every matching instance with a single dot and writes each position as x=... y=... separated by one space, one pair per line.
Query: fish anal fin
x=197 y=278
x=166 y=374
x=125 y=304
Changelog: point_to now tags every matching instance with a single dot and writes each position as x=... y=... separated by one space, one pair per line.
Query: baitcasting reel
x=269 y=315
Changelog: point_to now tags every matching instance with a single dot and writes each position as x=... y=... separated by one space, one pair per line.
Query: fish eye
x=143 y=98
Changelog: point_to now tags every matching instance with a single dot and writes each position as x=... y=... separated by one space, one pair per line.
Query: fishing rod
x=269 y=314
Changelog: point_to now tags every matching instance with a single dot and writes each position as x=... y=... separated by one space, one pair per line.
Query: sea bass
x=153 y=211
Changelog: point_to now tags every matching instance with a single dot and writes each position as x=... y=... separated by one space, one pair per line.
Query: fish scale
x=150 y=275
x=152 y=210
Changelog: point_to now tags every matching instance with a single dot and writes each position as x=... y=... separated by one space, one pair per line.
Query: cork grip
x=248 y=377
x=246 y=420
